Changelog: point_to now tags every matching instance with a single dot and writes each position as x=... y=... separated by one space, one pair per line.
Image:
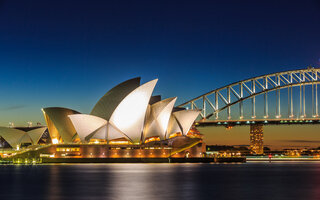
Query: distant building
x=226 y=151
x=256 y=139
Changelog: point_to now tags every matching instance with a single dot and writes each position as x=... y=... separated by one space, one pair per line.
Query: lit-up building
x=127 y=122
x=256 y=139
x=14 y=138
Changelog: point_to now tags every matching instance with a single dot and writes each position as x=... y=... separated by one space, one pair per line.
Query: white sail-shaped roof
x=25 y=139
x=173 y=126
x=185 y=119
x=93 y=127
x=158 y=118
x=109 y=102
x=107 y=132
x=36 y=134
x=115 y=133
x=14 y=137
x=100 y=133
x=86 y=124
x=129 y=115
x=59 y=124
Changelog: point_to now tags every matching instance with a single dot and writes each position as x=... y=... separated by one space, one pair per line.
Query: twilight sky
x=69 y=53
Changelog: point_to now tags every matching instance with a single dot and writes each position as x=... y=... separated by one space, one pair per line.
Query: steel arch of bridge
x=261 y=85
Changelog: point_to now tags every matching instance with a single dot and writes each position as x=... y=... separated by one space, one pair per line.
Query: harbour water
x=254 y=180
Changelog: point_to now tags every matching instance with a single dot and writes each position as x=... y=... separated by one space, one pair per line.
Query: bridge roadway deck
x=242 y=122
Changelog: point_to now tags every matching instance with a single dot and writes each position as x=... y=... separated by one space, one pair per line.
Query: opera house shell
x=128 y=113
x=127 y=122
x=16 y=137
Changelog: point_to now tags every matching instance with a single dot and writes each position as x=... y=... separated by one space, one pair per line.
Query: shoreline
x=123 y=160
x=283 y=159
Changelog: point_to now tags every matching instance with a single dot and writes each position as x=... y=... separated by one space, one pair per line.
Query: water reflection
x=161 y=181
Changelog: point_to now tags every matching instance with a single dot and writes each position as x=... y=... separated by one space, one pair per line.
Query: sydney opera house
x=127 y=122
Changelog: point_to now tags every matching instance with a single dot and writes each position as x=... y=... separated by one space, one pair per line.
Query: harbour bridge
x=289 y=97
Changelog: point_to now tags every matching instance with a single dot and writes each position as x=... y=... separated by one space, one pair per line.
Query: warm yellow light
x=175 y=135
x=55 y=141
x=119 y=142
x=151 y=139
x=97 y=141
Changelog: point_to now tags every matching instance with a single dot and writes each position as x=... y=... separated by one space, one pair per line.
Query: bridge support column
x=241 y=102
x=300 y=101
x=278 y=104
x=256 y=138
x=315 y=100
x=266 y=113
x=290 y=99
x=229 y=101
x=304 y=101
x=204 y=108
x=253 y=88
x=317 y=114
x=216 y=101
x=312 y=95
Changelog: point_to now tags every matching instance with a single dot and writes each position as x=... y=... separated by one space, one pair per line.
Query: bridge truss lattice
x=218 y=100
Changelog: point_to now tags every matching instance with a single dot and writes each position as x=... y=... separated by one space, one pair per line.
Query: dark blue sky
x=69 y=53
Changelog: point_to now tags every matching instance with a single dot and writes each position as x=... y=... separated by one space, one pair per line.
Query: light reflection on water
x=298 y=180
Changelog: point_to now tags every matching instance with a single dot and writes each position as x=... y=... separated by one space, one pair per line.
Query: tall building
x=256 y=139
